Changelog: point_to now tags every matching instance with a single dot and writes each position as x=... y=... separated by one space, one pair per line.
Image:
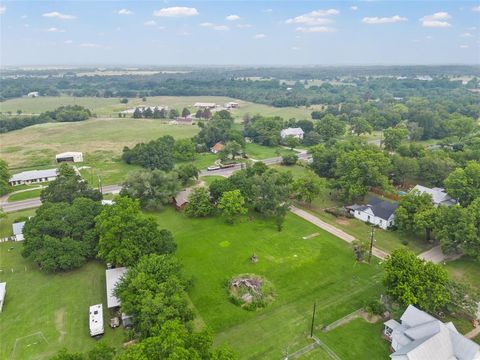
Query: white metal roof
x=96 y=319
x=68 y=154
x=3 y=291
x=18 y=228
x=113 y=276
x=439 y=196
x=292 y=131
x=204 y=104
x=34 y=174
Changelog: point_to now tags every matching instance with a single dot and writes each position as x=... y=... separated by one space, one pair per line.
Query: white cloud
x=176 y=11
x=26 y=25
x=124 y=12
x=268 y=10
x=3 y=9
x=316 y=29
x=463 y=46
x=89 y=45
x=233 y=17
x=68 y=41
x=466 y=34
x=244 y=26
x=215 y=27
x=317 y=17
x=56 y=14
x=436 y=20
x=23 y=16
x=150 y=23
x=383 y=20
x=207 y=24
x=429 y=37
x=54 y=29
x=259 y=36
x=295 y=48
x=354 y=8
x=476 y=8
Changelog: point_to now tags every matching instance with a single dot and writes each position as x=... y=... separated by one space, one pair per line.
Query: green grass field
x=260 y=152
x=24 y=195
x=46 y=312
x=321 y=269
x=465 y=269
x=10 y=218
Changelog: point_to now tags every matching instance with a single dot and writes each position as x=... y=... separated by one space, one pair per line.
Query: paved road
x=35 y=202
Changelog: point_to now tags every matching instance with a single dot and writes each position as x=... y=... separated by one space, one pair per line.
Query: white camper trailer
x=96 y=320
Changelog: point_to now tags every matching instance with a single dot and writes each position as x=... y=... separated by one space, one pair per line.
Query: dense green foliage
x=232 y=205
x=67 y=113
x=67 y=187
x=125 y=234
x=199 y=203
x=156 y=154
x=62 y=236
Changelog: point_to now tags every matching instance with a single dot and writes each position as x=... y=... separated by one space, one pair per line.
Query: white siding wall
x=368 y=217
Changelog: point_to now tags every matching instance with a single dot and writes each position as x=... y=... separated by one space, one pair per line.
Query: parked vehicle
x=96 y=320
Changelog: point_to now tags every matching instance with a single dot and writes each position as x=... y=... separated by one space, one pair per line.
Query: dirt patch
x=343 y=222
x=60 y=323
x=372 y=319
x=250 y=291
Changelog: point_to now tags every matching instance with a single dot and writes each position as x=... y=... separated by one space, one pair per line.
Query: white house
x=3 y=293
x=377 y=212
x=113 y=277
x=295 y=132
x=17 y=229
x=33 y=94
x=205 y=105
x=96 y=320
x=420 y=336
x=439 y=196
x=69 y=156
x=33 y=176
x=232 y=105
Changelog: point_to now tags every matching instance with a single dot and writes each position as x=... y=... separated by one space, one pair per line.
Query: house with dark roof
x=376 y=212
x=420 y=336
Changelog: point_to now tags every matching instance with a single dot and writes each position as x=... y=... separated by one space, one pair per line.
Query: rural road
x=115 y=189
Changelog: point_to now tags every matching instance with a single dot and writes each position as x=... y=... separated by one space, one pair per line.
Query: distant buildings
x=70 y=156
x=33 y=94
x=231 y=105
x=295 y=132
x=205 y=105
x=420 y=336
x=33 y=176
x=439 y=196
x=376 y=212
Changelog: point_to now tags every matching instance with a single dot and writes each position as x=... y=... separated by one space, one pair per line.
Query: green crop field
x=46 y=312
x=320 y=269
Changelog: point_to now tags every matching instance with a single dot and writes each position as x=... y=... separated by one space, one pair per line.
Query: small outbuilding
x=69 y=156
x=232 y=105
x=96 y=320
x=113 y=277
x=205 y=105
x=33 y=94
x=181 y=199
x=217 y=148
x=3 y=293
x=33 y=176
x=17 y=229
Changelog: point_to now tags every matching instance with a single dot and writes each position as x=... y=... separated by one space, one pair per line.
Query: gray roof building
x=113 y=277
x=34 y=175
x=420 y=336
x=439 y=196
x=380 y=208
x=17 y=229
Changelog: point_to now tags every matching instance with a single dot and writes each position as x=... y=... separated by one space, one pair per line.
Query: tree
x=232 y=204
x=289 y=159
x=62 y=236
x=67 y=187
x=218 y=187
x=404 y=168
x=185 y=112
x=305 y=125
x=125 y=234
x=148 y=113
x=292 y=142
x=330 y=127
x=393 y=137
x=312 y=138
x=153 y=188
x=411 y=280
x=459 y=125
x=412 y=212
x=464 y=184
x=186 y=172
x=173 y=113
x=153 y=292
x=137 y=113
x=156 y=154
x=455 y=229
x=232 y=148
x=4 y=178
x=434 y=168
x=184 y=150
x=360 y=125
x=357 y=170
x=199 y=203
x=307 y=187
x=124 y=101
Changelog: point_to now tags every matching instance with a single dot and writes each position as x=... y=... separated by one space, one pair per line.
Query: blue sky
x=239 y=32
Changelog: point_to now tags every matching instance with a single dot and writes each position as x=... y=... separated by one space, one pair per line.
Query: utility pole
x=313 y=319
x=371 y=244
x=100 y=184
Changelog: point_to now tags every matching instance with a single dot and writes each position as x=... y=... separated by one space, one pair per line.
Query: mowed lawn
x=321 y=269
x=46 y=312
